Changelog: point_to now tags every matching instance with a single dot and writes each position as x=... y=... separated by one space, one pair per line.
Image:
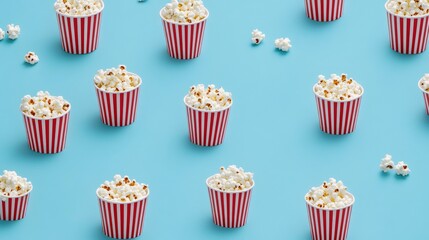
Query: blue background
x=273 y=129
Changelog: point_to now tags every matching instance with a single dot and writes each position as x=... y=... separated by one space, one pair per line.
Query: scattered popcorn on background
x=12 y=185
x=330 y=195
x=122 y=189
x=231 y=179
x=184 y=11
x=1 y=34
x=408 y=7
x=31 y=58
x=402 y=169
x=338 y=88
x=424 y=82
x=387 y=163
x=116 y=79
x=283 y=44
x=44 y=105
x=209 y=98
x=78 y=7
x=257 y=36
x=13 y=31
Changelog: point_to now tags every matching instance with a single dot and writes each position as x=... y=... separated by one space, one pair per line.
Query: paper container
x=14 y=208
x=425 y=98
x=229 y=209
x=118 y=109
x=324 y=10
x=329 y=224
x=47 y=135
x=79 y=34
x=207 y=128
x=408 y=35
x=337 y=117
x=122 y=220
x=184 y=40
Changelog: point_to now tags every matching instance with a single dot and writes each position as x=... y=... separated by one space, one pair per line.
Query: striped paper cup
x=184 y=40
x=47 y=135
x=14 y=208
x=425 y=97
x=337 y=117
x=408 y=35
x=118 y=109
x=329 y=224
x=122 y=220
x=324 y=10
x=207 y=128
x=79 y=34
x=229 y=209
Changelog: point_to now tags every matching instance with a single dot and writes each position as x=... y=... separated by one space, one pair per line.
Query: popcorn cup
x=47 y=135
x=329 y=224
x=14 y=208
x=324 y=10
x=79 y=34
x=229 y=209
x=408 y=35
x=337 y=117
x=207 y=128
x=122 y=220
x=118 y=109
x=184 y=40
x=425 y=98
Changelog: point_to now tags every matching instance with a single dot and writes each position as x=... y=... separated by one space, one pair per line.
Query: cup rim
x=39 y=118
x=411 y=17
x=209 y=111
x=421 y=89
x=344 y=101
x=333 y=209
x=75 y=16
x=241 y=191
x=140 y=83
x=20 y=196
x=122 y=203
x=202 y=20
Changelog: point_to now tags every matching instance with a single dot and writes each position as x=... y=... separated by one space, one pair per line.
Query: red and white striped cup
x=79 y=34
x=425 y=97
x=329 y=224
x=337 y=117
x=229 y=209
x=122 y=220
x=14 y=208
x=184 y=40
x=47 y=135
x=118 y=109
x=207 y=128
x=324 y=10
x=408 y=35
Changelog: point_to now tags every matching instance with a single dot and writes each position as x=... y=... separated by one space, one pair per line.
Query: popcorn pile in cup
x=231 y=179
x=122 y=189
x=338 y=87
x=184 y=11
x=78 y=7
x=408 y=7
x=116 y=79
x=12 y=185
x=43 y=105
x=210 y=98
x=330 y=195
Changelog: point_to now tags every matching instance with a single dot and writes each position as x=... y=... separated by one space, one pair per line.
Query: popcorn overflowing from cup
x=12 y=185
x=400 y=168
x=257 y=36
x=231 y=179
x=43 y=105
x=332 y=194
x=122 y=189
x=78 y=7
x=31 y=58
x=337 y=87
x=116 y=79
x=210 y=98
x=184 y=11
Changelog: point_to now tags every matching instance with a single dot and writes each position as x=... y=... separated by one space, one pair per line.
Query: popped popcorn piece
x=231 y=179
x=12 y=185
x=387 y=163
x=43 y=105
x=402 y=169
x=31 y=58
x=424 y=82
x=408 y=7
x=184 y=11
x=116 y=79
x=329 y=195
x=338 y=88
x=122 y=189
x=209 y=98
x=257 y=36
x=13 y=31
x=1 y=34
x=78 y=7
x=283 y=44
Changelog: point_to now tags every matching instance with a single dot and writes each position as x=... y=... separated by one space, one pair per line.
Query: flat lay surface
x=273 y=128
